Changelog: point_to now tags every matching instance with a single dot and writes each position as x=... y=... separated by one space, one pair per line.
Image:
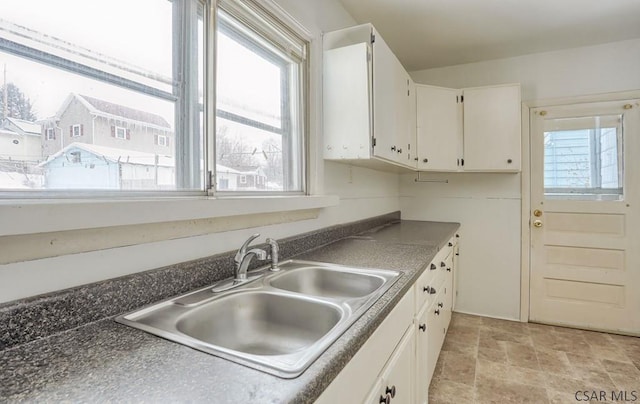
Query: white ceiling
x=432 y=33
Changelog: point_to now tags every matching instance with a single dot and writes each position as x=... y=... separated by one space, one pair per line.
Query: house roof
x=126 y=112
x=244 y=170
x=116 y=111
x=28 y=127
x=115 y=155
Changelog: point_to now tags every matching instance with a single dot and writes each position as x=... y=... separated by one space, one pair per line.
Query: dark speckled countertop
x=106 y=361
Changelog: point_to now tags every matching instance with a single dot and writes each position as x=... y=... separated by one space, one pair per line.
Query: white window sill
x=41 y=216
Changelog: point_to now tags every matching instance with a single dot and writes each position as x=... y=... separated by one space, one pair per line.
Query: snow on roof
x=8 y=132
x=224 y=169
x=249 y=170
x=116 y=155
x=115 y=111
x=26 y=126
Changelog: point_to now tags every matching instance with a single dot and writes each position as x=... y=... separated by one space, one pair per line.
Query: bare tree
x=231 y=151
x=272 y=152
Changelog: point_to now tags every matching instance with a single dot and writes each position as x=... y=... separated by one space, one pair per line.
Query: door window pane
x=583 y=157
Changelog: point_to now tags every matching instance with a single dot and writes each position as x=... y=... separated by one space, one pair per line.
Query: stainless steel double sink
x=279 y=323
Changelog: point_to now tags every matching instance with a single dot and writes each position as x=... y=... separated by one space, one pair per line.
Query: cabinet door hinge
x=462 y=162
x=373 y=142
x=462 y=98
x=373 y=37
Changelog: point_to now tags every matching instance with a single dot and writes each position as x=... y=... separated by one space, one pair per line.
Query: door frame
x=525 y=182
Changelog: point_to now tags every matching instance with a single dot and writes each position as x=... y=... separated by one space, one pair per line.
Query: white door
x=585 y=209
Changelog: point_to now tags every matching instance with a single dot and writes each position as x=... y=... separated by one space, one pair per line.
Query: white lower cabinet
x=396 y=383
x=396 y=363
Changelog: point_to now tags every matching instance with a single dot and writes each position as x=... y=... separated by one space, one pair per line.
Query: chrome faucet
x=243 y=257
x=274 y=254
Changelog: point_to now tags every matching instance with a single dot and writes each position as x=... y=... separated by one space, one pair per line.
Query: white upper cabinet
x=375 y=116
x=473 y=129
x=368 y=101
x=439 y=128
x=492 y=128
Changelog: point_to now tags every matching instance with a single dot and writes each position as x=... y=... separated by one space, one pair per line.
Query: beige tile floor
x=485 y=360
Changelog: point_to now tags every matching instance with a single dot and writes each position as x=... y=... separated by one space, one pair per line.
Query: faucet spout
x=241 y=271
x=243 y=249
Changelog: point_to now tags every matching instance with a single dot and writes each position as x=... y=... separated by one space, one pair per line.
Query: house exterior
x=20 y=140
x=84 y=119
x=87 y=166
x=240 y=178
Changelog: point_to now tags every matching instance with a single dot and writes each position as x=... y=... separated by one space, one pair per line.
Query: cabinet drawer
x=423 y=286
x=432 y=277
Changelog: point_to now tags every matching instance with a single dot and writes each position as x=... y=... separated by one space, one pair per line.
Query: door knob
x=537 y=213
x=537 y=223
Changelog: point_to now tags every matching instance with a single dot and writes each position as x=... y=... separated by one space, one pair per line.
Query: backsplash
x=37 y=317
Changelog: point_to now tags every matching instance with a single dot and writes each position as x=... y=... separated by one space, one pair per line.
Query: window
x=163 y=140
x=243 y=179
x=120 y=132
x=583 y=157
x=144 y=83
x=261 y=70
x=145 y=76
x=76 y=130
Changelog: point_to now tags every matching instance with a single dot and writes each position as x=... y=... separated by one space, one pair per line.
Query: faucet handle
x=243 y=249
x=274 y=254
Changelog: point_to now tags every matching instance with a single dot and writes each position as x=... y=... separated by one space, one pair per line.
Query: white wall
x=580 y=71
x=363 y=193
x=488 y=205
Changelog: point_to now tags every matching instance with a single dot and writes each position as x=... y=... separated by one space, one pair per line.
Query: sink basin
x=279 y=323
x=261 y=323
x=328 y=282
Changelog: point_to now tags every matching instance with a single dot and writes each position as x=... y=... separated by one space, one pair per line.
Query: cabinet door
x=397 y=378
x=411 y=142
x=377 y=394
x=423 y=377
x=385 y=105
x=492 y=128
x=438 y=121
x=455 y=270
x=448 y=292
x=390 y=103
x=347 y=102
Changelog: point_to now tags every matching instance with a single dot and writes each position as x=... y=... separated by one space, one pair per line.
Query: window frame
x=208 y=16
x=186 y=16
x=50 y=134
x=124 y=132
x=163 y=140
x=237 y=9
x=73 y=130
